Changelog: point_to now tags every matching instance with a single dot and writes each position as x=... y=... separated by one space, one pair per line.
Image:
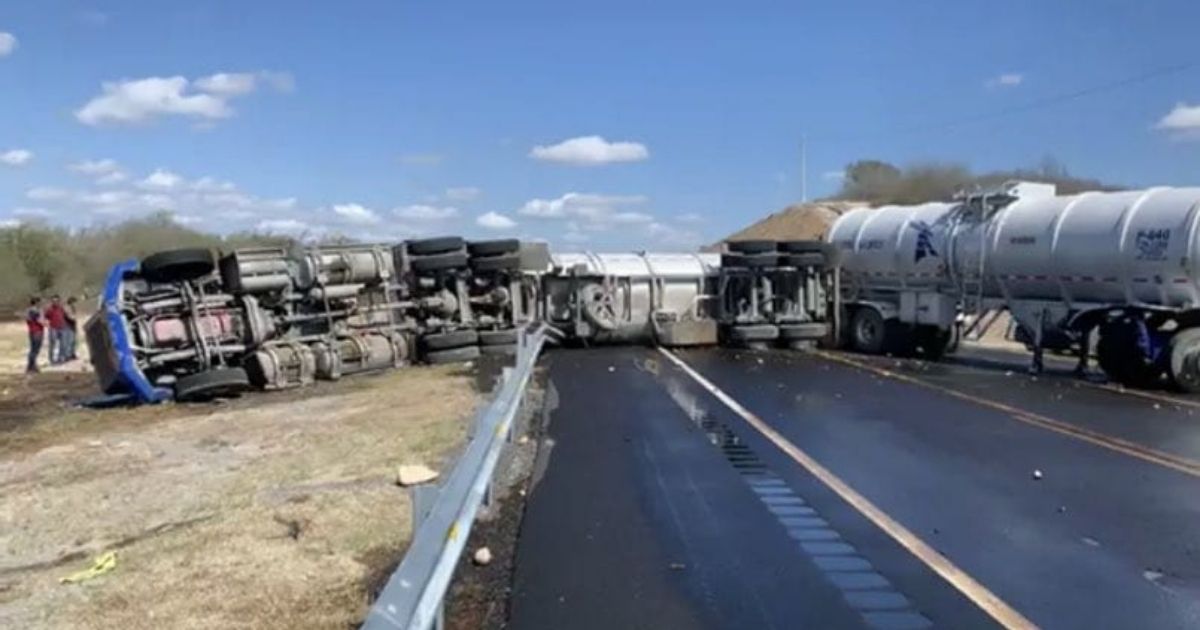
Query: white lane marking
x=987 y=601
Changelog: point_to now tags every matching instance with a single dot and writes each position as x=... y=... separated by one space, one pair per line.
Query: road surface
x=719 y=488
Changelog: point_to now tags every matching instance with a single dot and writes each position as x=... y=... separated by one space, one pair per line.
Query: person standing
x=72 y=330
x=57 y=318
x=36 y=324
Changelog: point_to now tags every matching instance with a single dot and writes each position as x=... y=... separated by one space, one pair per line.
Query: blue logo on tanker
x=924 y=241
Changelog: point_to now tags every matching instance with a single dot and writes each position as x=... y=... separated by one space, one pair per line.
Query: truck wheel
x=754 y=332
x=440 y=262
x=502 y=350
x=448 y=340
x=502 y=262
x=1185 y=360
x=454 y=355
x=752 y=247
x=438 y=245
x=494 y=248
x=498 y=337
x=809 y=259
x=810 y=331
x=867 y=331
x=750 y=261
x=214 y=383
x=178 y=265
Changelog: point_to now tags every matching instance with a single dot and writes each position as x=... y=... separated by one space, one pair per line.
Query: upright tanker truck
x=1125 y=265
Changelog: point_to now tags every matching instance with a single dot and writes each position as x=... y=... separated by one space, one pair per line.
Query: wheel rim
x=865 y=333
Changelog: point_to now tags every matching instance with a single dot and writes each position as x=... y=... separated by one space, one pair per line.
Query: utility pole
x=803 y=168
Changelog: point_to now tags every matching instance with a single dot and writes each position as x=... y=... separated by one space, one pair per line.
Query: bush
x=43 y=259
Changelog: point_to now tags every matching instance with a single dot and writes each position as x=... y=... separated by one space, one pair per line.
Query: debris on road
x=102 y=564
x=414 y=475
x=1037 y=474
x=678 y=566
x=482 y=557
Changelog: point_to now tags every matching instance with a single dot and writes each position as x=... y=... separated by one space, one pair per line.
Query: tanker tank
x=1120 y=263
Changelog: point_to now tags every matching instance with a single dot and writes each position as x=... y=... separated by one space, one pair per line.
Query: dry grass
x=273 y=511
x=807 y=221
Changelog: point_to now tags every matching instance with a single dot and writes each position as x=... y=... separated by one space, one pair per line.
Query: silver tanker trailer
x=1123 y=264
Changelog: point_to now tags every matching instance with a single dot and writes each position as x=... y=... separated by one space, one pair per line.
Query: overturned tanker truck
x=1123 y=264
x=191 y=325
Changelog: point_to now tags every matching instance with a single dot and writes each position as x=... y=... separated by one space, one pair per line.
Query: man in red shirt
x=57 y=318
x=35 y=323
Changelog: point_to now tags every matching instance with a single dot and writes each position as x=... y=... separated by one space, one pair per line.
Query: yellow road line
x=1170 y=400
x=1095 y=438
x=995 y=607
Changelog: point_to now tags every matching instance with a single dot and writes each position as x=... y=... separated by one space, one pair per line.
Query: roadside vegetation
x=877 y=182
x=39 y=258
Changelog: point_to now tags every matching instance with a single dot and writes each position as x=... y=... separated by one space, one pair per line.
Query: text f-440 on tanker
x=1125 y=265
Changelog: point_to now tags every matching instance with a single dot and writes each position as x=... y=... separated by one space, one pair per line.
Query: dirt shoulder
x=273 y=511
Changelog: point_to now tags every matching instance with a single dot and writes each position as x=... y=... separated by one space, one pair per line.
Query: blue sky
x=604 y=125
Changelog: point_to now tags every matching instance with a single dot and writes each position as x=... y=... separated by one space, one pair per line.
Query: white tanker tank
x=1122 y=262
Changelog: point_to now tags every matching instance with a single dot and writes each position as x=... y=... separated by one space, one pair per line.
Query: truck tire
x=440 y=262
x=808 y=259
x=178 y=265
x=448 y=340
x=494 y=248
x=502 y=350
x=453 y=355
x=502 y=262
x=497 y=337
x=752 y=247
x=1185 y=360
x=868 y=331
x=753 y=332
x=749 y=261
x=802 y=247
x=437 y=245
x=210 y=384
x=808 y=331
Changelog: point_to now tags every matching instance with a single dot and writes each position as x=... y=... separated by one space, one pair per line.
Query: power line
x=1032 y=105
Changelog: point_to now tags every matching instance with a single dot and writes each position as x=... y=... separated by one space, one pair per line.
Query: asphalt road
x=659 y=506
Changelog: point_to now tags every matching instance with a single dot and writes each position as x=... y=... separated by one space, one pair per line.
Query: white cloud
x=356 y=214
x=40 y=213
x=591 y=211
x=8 y=43
x=16 y=157
x=46 y=193
x=228 y=83
x=674 y=236
x=690 y=217
x=422 y=212
x=210 y=184
x=161 y=179
x=833 y=176
x=495 y=221
x=463 y=193
x=590 y=151
x=1182 y=122
x=132 y=101
x=1006 y=80
x=8 y=224
x=115 y=177
x=95 y=167
x=287 y=226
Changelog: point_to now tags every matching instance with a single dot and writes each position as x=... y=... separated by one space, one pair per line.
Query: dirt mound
x=802 y=221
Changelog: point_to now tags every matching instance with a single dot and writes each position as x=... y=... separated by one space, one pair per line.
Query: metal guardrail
x=413 y=596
